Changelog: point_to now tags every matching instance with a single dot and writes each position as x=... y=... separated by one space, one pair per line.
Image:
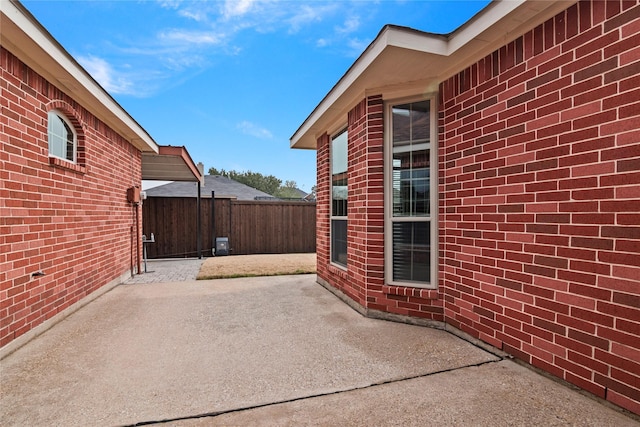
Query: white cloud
x=181 y=62
x=170 y=4
x=339 y=39
x=308 y=14
x=356 y=43
x=357 y=46
x=350 y=25
x=233 y=8
x=191 y=37
x=197 y=15
x=103 y=73
x=254 y=130
x=169 y=55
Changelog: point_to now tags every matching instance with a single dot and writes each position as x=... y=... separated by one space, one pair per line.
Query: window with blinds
x=409 y=198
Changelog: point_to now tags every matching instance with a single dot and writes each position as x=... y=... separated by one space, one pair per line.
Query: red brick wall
x=323 y=208
x=365 y=226
x=364 y=280
x=72 y=223
x=540 y=198
x=414 y=302
x=365 y=233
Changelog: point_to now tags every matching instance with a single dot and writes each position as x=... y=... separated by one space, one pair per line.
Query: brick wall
x=368 y=215
x=71 y=221
x=365 y=226
x=365 y=231
x=540 y=198
x=363 y=282
x=323 y=207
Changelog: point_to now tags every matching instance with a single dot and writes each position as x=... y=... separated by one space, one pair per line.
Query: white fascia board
x=390 y=36
x=489 y=29
x=418 y=41
x=75 y=72
x=495 y=11
x=361 y=64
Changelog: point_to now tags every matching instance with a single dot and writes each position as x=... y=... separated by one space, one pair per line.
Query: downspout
x=136 y=206
x=131 y=254
x=199 y=209
x=199 y=223
x=133 y=197
x=213 y=223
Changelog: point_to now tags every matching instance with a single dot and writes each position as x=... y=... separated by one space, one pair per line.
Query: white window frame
x=343 y=130
x=432 y=218
x=55 y=114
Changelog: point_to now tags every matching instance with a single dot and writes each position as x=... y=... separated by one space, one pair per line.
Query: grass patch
x=235 y=276
x=234 y=266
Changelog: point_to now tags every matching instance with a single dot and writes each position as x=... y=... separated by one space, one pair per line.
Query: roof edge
x=181 y=151
x=342 y=82
x=68 y=74
x=489 y=26
x=389 y=35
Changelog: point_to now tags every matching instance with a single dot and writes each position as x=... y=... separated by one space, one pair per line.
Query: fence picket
x=251 y=226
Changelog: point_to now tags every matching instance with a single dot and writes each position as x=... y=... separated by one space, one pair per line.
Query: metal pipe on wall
x=199 y=222
x=213 y=223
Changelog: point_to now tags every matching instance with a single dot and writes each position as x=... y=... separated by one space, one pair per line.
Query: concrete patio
x=268 y=351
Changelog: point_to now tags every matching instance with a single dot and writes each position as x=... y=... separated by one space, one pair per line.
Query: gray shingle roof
x=300 y=193
x=222 y=185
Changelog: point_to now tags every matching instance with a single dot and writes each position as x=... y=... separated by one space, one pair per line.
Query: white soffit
x=403 y=57
x=27 y=39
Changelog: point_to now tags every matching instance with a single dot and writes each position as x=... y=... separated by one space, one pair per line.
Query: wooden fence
x=253 y=227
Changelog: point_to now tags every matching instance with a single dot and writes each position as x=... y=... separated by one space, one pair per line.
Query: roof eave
x=30 y=42
x=437 y=56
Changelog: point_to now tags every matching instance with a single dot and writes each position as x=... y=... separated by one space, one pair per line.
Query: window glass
x=411 y=158
x=339 y=192
x=411 y=123
x=410 y=197
x=339 y=241
x=62 y=138
x=411 y=252
x=411 y=183
x=339 y=175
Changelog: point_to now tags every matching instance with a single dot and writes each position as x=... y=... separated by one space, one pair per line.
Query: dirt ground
x=257 y=265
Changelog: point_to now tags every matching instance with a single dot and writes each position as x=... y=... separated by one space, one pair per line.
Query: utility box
x=133 y=195
x=222 y=246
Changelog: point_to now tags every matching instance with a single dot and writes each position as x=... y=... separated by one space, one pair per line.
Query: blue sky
x=231 y=80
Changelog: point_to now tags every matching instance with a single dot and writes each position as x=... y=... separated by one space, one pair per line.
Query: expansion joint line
x=311 y=396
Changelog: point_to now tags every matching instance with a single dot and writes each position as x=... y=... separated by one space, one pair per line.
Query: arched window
x=63 y=140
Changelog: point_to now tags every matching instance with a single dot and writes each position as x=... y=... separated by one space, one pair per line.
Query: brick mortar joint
x=59 y=163
x=428 y=294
